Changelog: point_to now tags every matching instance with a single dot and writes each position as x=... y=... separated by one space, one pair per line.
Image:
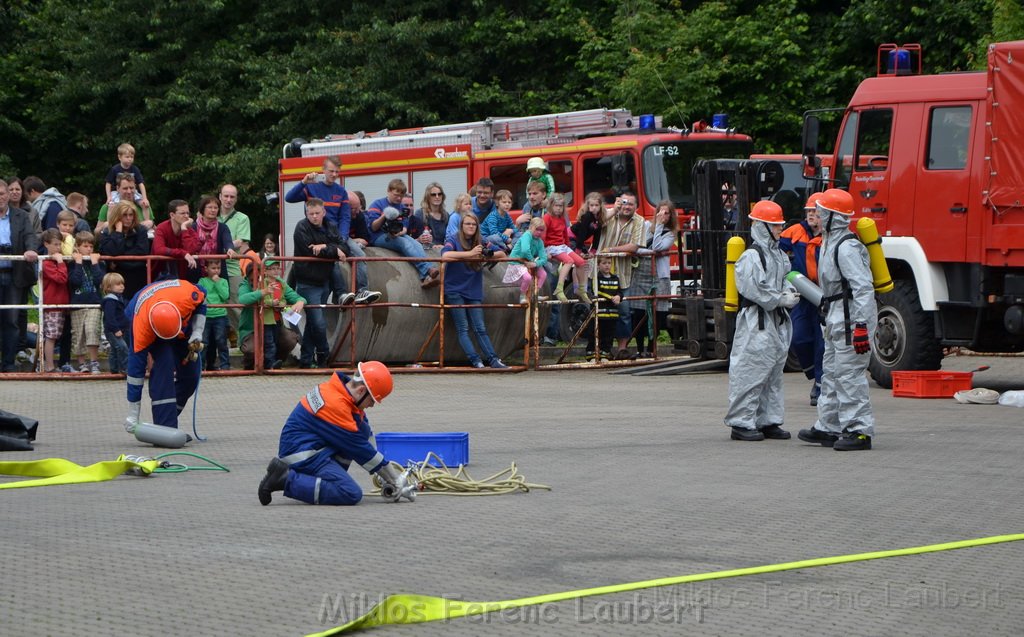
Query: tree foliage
x=210 y=92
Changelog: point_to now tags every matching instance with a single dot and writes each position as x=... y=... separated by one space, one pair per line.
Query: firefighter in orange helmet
x=166 y=322
x=846 y=421
x=325 y=432
x=763 y=331
x=802 y=242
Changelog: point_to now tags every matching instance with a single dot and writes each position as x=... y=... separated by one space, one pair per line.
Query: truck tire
x=905 y=338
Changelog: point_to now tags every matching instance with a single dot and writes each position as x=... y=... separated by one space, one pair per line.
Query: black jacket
x=23 y=238
x=306 y=234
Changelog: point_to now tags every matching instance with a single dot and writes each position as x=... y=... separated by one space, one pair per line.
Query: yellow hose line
x=416 y=609
x=59 y=471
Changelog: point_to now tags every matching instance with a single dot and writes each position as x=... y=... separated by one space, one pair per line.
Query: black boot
x=853 y=442
x=818 y=437
x=776 y=432
x=277 y=474
x=741 y=433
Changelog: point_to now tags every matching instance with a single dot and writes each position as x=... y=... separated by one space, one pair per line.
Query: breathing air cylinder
x=733 y=251
x=867 y=232
x=807 y=288
x=160 y=436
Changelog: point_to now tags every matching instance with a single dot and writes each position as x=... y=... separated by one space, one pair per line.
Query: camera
x=488 y=253
x=394 y=219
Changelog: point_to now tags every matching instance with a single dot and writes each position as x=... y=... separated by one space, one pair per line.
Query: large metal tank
x=396 y=335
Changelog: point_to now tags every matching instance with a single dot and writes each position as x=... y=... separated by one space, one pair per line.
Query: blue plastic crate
x=452 y=446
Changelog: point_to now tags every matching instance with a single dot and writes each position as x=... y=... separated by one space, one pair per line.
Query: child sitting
x=115 y=323
x=556 y=240
x=531 y=247
x=538 y=171
x=215 y=335
x=609 y=290
x=272 y=294
x=498 y=229
x=85 y=278
x=55 y=292
x=125 y=164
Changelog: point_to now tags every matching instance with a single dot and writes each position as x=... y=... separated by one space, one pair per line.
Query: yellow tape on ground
x=59 y=471
x=416 y=609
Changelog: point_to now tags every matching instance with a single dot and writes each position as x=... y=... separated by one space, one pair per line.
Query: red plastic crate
x=938 y=384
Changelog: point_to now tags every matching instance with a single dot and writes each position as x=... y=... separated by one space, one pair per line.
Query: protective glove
x=861 y=344
x=131 y=421
x=396 y=485
x=789 y=299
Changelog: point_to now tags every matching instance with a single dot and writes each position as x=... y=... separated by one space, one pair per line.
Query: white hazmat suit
x=763 y=332
x=844 y=407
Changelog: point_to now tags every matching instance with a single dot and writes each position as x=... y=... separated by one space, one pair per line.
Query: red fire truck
x=602 y=150
x=938 y=162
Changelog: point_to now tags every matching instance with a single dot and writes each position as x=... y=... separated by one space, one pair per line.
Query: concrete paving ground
x=646 y=484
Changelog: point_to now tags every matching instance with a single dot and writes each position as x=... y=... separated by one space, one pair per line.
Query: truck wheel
x=905 y=338
x=571 y=317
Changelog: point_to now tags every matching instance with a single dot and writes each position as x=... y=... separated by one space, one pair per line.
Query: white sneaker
x=348 y=298
x=94 y=367
x=522 y=299
x=365 y=297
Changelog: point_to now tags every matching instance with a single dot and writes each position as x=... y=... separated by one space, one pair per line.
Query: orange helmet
x=812 y=201
x=836 y=200
x=376 y=377
x=768 y=212
x=165 y=320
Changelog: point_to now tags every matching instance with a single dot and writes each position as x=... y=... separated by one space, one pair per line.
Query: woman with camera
x=464 y=286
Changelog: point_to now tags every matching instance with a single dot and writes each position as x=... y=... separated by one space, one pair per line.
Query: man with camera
x=17 y=236
x=326 y=187
x=389 y=228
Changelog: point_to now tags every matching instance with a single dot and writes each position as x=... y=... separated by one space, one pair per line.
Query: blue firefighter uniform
x=173 y=379
x=324 y=433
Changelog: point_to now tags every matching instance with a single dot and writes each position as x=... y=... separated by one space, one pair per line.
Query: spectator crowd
x=95 y=271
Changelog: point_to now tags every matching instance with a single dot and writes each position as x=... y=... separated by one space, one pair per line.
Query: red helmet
x=836 y=200
x=812 y=201
x=767 y=212
x=376 y=377
x=165 y=320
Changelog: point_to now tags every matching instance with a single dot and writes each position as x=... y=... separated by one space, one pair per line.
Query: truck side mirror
x=810 y=145
x=619 y=177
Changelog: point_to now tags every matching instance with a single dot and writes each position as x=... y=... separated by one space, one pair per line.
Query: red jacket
x=55 y=282
x=168 y=244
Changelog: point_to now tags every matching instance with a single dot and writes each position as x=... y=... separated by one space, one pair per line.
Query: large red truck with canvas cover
x=938 y=162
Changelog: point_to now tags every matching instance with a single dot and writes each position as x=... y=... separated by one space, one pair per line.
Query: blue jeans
x=407 y=247
x=362 y=280
x=314 y=336
x=339 y=282
x=463 y=317
x=117 y=358
x=215 y=339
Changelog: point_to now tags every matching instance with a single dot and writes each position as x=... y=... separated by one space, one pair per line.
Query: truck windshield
x=667 y=167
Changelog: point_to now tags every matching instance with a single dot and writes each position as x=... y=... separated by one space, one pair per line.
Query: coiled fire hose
x=440 y=479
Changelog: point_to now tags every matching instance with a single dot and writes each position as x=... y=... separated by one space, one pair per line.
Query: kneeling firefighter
x=325 y=432
x=760 y=344
x=158 y=317
x=845 y=419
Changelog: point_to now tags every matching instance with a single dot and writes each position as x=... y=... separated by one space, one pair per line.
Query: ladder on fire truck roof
x=493 y=132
